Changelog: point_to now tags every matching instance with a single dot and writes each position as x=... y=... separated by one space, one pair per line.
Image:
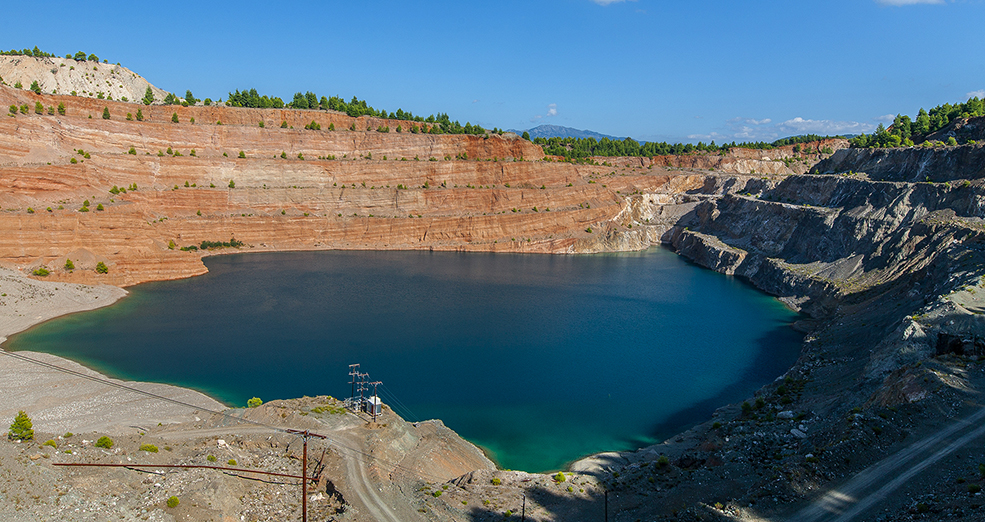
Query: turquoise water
x=538 y=359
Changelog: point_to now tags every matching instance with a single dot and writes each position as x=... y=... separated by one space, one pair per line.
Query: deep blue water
x=538 y=359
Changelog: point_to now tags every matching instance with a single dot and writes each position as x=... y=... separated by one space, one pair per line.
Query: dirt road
x=861 y=493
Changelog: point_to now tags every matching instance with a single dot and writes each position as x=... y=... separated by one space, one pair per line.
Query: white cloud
x=607 y=2
x=885 y=118
x=977 y=94
x=898 y=3
x=551 y=111
x=799 y=125
x=765 y=129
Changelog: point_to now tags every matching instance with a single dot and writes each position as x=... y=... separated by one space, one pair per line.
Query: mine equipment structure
x=359 y=401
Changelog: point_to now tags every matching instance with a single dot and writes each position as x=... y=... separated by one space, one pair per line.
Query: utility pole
x=354 y=373
x=362 y=388
x=305 y=435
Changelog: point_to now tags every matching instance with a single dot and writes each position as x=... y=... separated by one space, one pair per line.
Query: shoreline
x=81 y=399
x=51 y=379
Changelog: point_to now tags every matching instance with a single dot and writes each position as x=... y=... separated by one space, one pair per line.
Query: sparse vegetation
x=254 y=402
x=21 y=428
x=104 y=442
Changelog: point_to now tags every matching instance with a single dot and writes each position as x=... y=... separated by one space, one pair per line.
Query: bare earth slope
x=881 y=249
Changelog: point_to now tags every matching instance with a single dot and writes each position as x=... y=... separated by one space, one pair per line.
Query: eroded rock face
x=912 y=164
x=297 y=189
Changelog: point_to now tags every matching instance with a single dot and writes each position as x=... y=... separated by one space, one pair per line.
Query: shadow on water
x=767 y=365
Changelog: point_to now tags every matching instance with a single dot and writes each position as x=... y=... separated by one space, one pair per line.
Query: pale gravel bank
x=57 y=401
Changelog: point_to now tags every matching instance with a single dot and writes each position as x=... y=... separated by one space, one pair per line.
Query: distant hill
x=557 y=131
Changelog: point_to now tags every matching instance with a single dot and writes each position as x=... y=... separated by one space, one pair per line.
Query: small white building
x=374 y=406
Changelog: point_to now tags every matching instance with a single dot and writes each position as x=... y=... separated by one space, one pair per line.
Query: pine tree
x=105 y=113
x=174 y=117
x=21 y=429
x=148 y=96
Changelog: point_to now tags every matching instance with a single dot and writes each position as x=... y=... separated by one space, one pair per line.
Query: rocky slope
x=292 y=189
x=86 y=78
x=881 y=249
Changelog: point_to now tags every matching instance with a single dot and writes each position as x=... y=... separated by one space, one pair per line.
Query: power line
x=119 y=385
x=398 y=402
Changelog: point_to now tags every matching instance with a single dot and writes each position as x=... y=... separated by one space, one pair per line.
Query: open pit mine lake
x=538 y=359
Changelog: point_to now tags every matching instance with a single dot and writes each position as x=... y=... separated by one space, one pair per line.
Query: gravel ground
x=58 y=401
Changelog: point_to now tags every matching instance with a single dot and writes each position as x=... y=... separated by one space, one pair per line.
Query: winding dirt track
x=873 y=485
x=356 y=476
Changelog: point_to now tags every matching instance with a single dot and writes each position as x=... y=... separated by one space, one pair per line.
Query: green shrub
x=974 y=488
x=61 y=109
x=560 y=477
x=255 y=401
x=140 y=115
x=231 y=462
x=242 y=154
x=174 y=117
x=68 y=435
x=100 y=207
x=73 y=161
x=105 y=113
x=173 y=502
x=69 y=265
x=261 y=124
x=41 y=271
x=663 y=461
x=21 y=428
x=38 y=108
x=232 y=184
x=51 y=443
x=496 y=481
x=101 y=268
x=104 y=442
x=148 y=447
x=211 y=458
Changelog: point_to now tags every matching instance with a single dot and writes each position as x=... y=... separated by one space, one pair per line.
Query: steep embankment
x=912 y=165
x=381 y=190
x=891 y=275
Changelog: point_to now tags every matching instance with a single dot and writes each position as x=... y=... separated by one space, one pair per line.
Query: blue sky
x=650 y=69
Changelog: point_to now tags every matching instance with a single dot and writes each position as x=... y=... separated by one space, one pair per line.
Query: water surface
x=538 y=359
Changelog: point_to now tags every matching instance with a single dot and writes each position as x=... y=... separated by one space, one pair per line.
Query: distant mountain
x=557 y=131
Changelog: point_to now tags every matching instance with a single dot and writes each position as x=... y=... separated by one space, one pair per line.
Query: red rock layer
x=382 y=190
